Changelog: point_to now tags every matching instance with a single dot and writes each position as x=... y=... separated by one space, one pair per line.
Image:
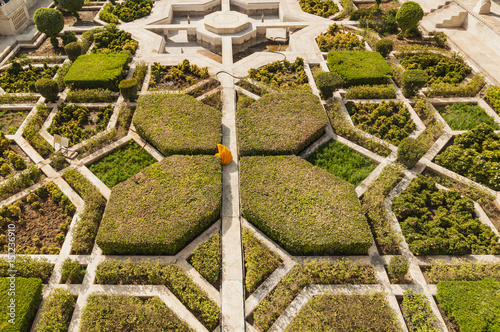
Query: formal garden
x=361 y=193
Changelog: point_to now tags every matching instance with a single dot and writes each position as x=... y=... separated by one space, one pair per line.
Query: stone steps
x=449 y=16
x=430 y=6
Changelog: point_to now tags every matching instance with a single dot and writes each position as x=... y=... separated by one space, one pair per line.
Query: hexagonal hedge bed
x=305 y=209
x=163 y=208
x=178 y=124
x=284 y=122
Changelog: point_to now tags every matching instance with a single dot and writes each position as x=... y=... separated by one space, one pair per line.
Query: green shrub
x=281 y=74
x=260 y=261
x=126 y=312
x=337 y=39
x=15 y=184
x=68 y=37
x=28 y=295
x=15 y=79
x=170 y=275
x=206 y=259
x=285 y=215
x=73 y=50
x=342 y=161
x=493 y=97
x=16 y=160
x=183 y=75
x=72 y=272
x=384 y=47
x=384 y=91
x=31 y=131
x=61 y=72
x=188 y=188
x=92 y=71
x=475 y=154
x=86 y=228
x=324 y=272
x=56 y=311
x=474 y=305
x=28 y=267
x=110 y=39
x=358 y=67
x=328 y=83
x=71 y=5
x=462 y=116
x=48 y=88
x=334 y=312
x=460 y=270
x=284 y=122
x=106 y=14
x=178 y=124
x=398 y=267
x=408 y=16
x=390 y=121
x=470 y=89
x=49 y=21
x=90 y=96
x=128 y=89
x=58 y=161
x=434 y=128
x=323 y=8
x=140 y=72
x=417 y=312
x=133 y=9
x=410 y=151
x=375 y=19
x=413 y=80
x=452 y=229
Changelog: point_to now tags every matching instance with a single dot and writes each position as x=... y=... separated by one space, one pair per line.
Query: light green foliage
x=28 y=267
x=183 y=75
x=281 y=74
x=206 y=259
x=460 y=270
x=410 y=151
x=384 y=91
x=398 y=267
x=417 y=312
x=72 y=272
x=337 y=39
x=56 y=311
x=323 y=8
x=493 y=97
x=32 y=128
x=461 y=116
x=16 y=79
x=408 y=16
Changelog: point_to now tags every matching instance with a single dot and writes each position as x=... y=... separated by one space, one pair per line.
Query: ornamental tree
x=408 y=16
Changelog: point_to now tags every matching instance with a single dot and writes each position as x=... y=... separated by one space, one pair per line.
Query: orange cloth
x=224 y=154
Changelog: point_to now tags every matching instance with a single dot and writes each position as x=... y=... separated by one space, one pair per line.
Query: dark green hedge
x=28 y=295
x=305 y=209
x=359 y=67
x=284 y=122
x=178 y=124
x=93 y=71
x=163 y=208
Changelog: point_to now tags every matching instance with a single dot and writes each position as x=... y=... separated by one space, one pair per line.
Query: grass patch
x=284 y=122
x=305 y=209
x=206 y=259
x=186 y=193
x=339 y=312
x=321 y=272
x=342 y=161
x=111 y=169
x=178 y=124
x=462 y=116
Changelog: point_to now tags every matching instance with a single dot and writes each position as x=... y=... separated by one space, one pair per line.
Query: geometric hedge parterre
x=305 y=209
x=164 y=207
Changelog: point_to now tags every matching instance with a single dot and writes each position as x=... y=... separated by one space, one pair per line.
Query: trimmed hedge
x=260 y=261
x=493 y=97
x=359 y=67
x=284 y=122
x=474 y=305
x=178 y=124
x=163 y=208
x=327 y=83
x=93 y=71
x=323 y=272
x=341 y=312
x=56 y=311
x=206 y=259
x=384 y=91
x=172 y=276
x=460 y=270
x=417 y=312
x=28 y=267
x=28 y=295
x=305 y=209
x=129 y=313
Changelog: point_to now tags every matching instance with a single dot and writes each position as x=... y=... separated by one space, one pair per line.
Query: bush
x=86 y=228
x=126 y=312
x=28 y=267
x=183 y=75
x=172 y=276
x=68 y=37
x=434 y=128
x=61 y=72
x=110 y=39
x=475 y=155
x=451 y=230
x=284 y=122
x=334 y=312
x=56 y=311
x=28 y=295
x=390 y=121
x=71 y=5
x=413 y=80
x=408 y=16
x=90 y=96
x=398 y=267
x=316 y=192
x=133 y=9
x=128 y=89
x=493 y=97
x=323 y=272
x=377 y=20
x=168 y=122
x=358 y=68
x=410 y=151
x=93 y=71
x=15 y=184
x=48 y=88
x=49 y=21
x=58 y=161
x=323 y=8
x=337 y=39
x=206 y=259
x=281 y=74
x=460 y=270
x=72 y=272
x=328 y=83
x=384 y=47
x=472 y=304
x=73 y=50
x=385 y=91
x=106 y=14
x=417 y=312
x=31 y=132
x=140 y=72
x=470 y=89
x=18 y=79
x=189 y=190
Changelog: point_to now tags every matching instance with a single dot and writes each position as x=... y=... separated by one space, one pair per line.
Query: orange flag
x=224 y=154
